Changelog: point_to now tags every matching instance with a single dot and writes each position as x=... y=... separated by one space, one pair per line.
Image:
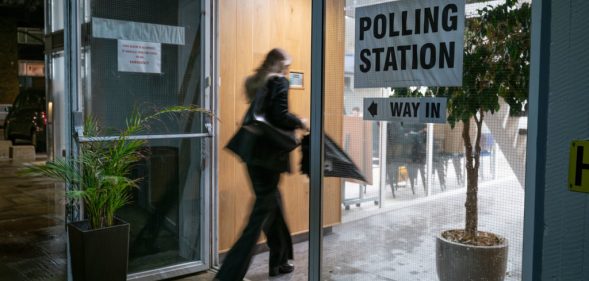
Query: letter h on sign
x=578 y=165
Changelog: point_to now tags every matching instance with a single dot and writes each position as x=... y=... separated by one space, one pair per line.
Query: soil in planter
x=482 y=238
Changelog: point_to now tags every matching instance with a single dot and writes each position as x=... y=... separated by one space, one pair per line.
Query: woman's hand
x=305 y=125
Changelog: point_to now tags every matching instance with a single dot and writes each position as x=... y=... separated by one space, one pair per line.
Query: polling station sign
x=409 y=43
x=414 y=110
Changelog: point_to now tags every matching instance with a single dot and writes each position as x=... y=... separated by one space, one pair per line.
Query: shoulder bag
x=256 y=128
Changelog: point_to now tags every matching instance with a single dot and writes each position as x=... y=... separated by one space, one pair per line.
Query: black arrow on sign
x=373 y=109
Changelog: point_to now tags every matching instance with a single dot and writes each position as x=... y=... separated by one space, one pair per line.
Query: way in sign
x=411 y=109
x=422 y=110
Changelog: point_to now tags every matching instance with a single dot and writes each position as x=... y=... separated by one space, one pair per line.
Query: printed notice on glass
x=135 y=56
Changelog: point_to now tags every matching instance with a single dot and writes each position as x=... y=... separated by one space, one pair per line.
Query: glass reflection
x=165 y=213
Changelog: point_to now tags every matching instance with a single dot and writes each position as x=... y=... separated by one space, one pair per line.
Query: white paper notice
x=135 y=56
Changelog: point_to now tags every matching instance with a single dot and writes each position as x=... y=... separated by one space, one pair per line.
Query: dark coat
x=276 y=109
x=406 y=143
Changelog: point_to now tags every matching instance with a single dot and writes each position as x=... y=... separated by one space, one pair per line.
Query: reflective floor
x=398 y=242
x=32 y=233
x=202 y=276
x=32 y=228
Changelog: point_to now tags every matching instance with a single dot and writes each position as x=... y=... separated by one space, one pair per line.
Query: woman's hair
x=274 y=63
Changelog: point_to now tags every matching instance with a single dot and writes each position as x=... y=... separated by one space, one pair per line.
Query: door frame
x=68 y=42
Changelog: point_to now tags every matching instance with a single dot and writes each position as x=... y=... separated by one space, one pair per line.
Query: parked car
x=27 y=119
x=4 y=108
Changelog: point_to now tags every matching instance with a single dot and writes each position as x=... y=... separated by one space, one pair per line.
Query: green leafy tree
x=496 y=65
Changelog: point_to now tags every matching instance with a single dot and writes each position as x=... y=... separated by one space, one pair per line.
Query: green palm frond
x=100 y=175
x=60 y=169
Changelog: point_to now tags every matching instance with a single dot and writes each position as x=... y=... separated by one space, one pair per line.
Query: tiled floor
x=32 y=230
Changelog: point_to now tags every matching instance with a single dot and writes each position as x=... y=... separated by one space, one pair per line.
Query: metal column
x=539 y=94
x=316 y=146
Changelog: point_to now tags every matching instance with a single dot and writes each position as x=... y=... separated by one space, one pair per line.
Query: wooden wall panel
x=227 y=114
x=334 y=92
x=243 y=40
x=247 y=31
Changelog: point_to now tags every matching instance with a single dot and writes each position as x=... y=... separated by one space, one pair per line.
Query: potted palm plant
x=99 y=179
x=496 y=65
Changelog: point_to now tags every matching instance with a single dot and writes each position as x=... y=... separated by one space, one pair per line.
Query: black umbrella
x=336 y=162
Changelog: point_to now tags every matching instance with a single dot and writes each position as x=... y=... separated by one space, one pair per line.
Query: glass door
x=57 y=101
x=422 y=173
x=147 y=55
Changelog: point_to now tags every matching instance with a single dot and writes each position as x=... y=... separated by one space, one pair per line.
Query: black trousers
x=267 y=215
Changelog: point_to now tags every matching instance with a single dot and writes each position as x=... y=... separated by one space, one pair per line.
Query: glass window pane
x=57 y=114
x=113 y=91
x=416 y=175
x=57 y=14
x=165 y=213
x=248 y=31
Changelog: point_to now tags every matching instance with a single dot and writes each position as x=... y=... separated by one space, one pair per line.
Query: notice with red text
x=135 y=56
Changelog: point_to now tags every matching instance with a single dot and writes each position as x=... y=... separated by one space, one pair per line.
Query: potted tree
x=99 y=178
x=496 y=66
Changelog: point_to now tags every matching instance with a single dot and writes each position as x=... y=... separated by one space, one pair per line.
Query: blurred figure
x=397 y=155
x=417 y=138
x=264 y=171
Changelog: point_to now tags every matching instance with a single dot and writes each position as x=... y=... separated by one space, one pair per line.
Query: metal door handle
x=81 y=138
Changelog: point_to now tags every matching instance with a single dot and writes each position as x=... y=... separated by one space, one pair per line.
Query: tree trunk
x=472 y=176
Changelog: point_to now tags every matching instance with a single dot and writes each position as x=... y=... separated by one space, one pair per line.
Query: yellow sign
x=579 y=166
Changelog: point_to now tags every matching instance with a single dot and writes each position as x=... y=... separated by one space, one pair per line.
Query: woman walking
x=264 y=170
